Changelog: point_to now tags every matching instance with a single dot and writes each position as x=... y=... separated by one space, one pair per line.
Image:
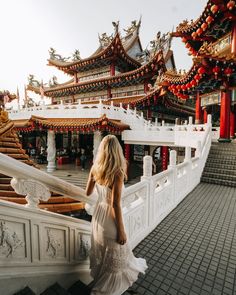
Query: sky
x=28 y=28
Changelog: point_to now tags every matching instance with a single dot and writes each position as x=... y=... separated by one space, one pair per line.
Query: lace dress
x=114 y=268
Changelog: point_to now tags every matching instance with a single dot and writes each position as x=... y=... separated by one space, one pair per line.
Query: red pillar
x=225 y=116
x=232 y=123
x=204 y=115
x=164 y=152
x=127 y=157
x=198 y=110
x=233 y=39
x=112 y=69
x=109 y=95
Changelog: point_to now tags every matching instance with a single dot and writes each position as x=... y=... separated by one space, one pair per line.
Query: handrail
x=17 y=169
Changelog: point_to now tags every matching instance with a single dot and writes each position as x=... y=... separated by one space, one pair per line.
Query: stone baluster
x=172 y=161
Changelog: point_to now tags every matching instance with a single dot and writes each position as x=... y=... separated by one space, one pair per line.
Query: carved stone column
x=51 y=151
x=97 y=138
x=147 y=166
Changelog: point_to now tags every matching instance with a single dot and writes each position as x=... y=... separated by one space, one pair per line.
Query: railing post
x=209 y=119
x=147 y=176
x=198 y=149
x=173 y=156
x=187 y=154
x=190 y=120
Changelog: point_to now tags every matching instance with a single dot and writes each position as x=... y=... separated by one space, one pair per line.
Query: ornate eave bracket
x=32 y=189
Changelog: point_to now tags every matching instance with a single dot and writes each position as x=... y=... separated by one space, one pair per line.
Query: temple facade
x=119 y=73
x=211 y=81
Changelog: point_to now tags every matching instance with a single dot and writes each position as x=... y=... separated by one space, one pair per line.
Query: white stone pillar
x=97 y=138
x=198 y=149
x=172 y=160
x=190 y=120
x=147 y=166
x=187 y=153
x=51 y=151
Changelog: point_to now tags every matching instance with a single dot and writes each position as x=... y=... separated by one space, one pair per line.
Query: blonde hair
x=109 y=162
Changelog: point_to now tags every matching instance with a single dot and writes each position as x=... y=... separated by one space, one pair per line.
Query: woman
x=114 y=268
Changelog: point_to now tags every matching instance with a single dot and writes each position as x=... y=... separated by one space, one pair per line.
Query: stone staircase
x=78 y=288
x=220 y=167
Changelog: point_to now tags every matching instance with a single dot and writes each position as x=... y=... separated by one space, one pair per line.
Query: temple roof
x=77 y=124
x=214 y=23
x=103 y=56
x=10 y=146
x=149 y=69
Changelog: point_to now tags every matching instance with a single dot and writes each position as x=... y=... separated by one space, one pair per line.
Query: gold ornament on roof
x=104 y=39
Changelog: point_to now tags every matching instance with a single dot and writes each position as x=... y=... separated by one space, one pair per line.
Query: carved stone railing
x=148 y=202
x=39 y=247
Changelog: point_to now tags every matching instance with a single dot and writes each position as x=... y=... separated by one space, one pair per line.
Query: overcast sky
x=30 y=27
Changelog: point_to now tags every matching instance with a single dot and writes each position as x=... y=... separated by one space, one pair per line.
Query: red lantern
x=194 y=35
x=216 y=70
x=209 y=19
x=197 y=77
x=178 y=87
x=214 y=9
x=188 y=85
x=201 y=70
x=231 y=5
x=193 y=83
x=183 y=87
x=187 y=45
x=184 y=39
x=204 y=26
x=199 y=31
x=228 y=72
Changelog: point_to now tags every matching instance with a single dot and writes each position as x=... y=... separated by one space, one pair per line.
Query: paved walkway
x=193 y=251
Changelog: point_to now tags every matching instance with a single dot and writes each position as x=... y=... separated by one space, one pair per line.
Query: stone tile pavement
x=193 y=251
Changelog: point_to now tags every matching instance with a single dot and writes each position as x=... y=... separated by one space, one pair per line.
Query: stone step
x=208 y=169
x=218 y=165
x=222 y=157
x=79 y=288
x=219 y=182
x=56 y=289
x=226 y=153
x=219 y=160
x=219 y=175
x=25 y=291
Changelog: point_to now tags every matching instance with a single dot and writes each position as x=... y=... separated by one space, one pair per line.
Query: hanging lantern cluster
x=231 y=5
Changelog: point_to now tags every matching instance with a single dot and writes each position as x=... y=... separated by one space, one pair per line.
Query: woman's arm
x=116 y=192
x=90 y=184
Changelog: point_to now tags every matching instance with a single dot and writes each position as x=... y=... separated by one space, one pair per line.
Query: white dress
x=114 y=268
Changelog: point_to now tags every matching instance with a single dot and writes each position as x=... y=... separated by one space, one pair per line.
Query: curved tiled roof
x=79 y=124
x=152 y=66
x=114 y=48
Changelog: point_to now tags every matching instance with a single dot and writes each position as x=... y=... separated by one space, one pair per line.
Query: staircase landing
x=193 y=251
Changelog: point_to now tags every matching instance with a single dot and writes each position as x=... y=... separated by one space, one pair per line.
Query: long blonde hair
x=109 y=162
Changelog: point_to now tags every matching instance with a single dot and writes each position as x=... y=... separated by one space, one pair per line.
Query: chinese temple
x=211 y=41
x=119 y=72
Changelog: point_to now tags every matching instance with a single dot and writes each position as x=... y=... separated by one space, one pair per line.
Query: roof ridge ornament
x=133 y=27
x=104 y=39
x=161 y=42
x=56 y=56
x=76 y=55
x=116 y=26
